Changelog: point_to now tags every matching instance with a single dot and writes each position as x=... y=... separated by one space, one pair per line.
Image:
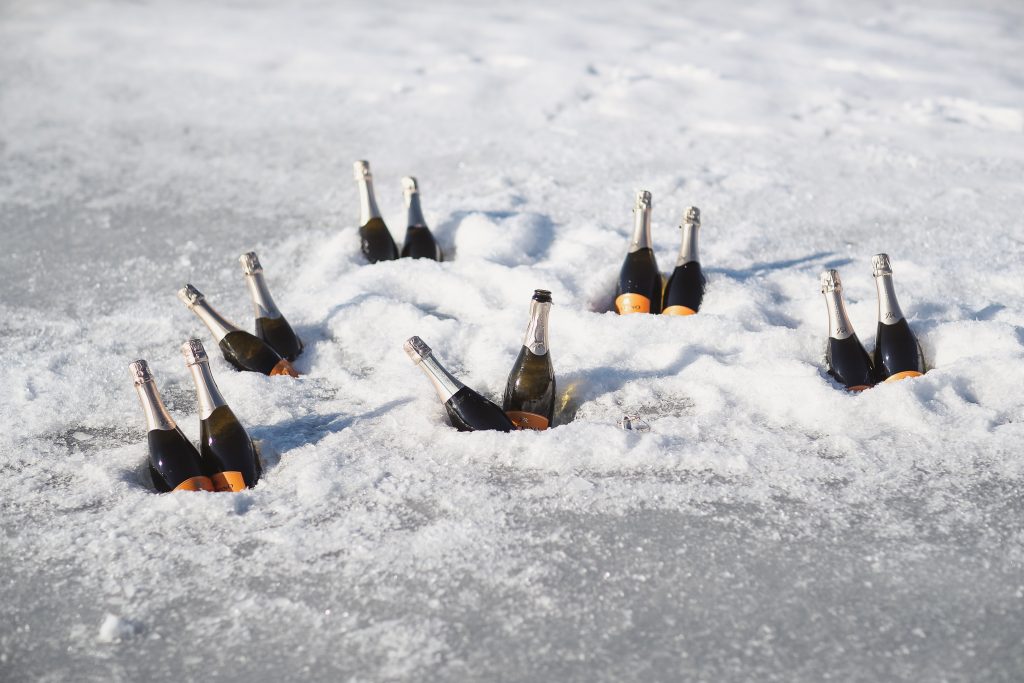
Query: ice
x=768 y=527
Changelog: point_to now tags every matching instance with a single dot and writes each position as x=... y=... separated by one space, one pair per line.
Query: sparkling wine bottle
x=174 y=463
x=419 y=242
x=685 y=289
x=271 y=326
x=377 y=242
x=530 y=390
x=897 y=352
x=639 y=287
x=848 y=363
x=468 y=411
x=243 y=350
x=228 y=454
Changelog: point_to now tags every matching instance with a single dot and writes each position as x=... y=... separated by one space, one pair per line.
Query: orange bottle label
x=906 y=374
x=228 y=481
x=859 y=388
x=195 y=484
x=284 y=367
x=678 y=310
x=527 y=420
x=632 y=303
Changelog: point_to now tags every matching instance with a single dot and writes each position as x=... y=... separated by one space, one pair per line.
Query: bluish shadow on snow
x=760 y=268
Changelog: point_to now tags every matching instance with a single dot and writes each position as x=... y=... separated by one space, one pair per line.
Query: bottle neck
x=889 y=312
x=367 y=202
x=261 y=299
x=218 y=325
x=641 y=229
x=207 y=392
x=688 y=250
x=444 y=383
x=839 y=326
x=536 y=338
x=157 y=416
x=415 y=212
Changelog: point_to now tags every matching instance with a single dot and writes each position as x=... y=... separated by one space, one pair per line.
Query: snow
x=768 y=526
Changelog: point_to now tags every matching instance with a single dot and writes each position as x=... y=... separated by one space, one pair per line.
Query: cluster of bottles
x=529 y=401
x=226 y=459
x=897 y=352
x=274 y=346
x=641 y=287
x=377 y=243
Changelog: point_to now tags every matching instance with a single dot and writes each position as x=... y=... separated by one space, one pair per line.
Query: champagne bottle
x=639 y=287
x=530 y=390
x=468 y=411
x=243 y=350
x=419 y=242
x=271 y=326
x=845 y=357
x=228 y=455
x=174 y=463
x=685 y=289
x=376 y=238
x=897 y=352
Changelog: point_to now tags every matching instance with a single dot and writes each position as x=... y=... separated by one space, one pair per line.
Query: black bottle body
x=174 y=463
x=420 y=243
x=470 y=412
x=248 y=352
x=849 y=364
x=897 y=352
x=530 y=391
x=377 y=243
x=684 y=291
x=279 y=336
x=639 y=286
x=228 y=455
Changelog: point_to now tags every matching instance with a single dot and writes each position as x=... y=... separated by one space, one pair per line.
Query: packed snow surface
x=768 y=527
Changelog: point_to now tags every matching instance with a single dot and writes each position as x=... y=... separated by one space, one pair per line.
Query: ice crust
x=769 y=526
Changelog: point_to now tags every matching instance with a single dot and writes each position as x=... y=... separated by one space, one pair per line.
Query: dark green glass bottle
x=228 y=454
x=419 y=241
x=897 y=352
x=243 y=350
x=271 y=325
x=530 y=391
x=376 y=240
x=847 y=361
x=639 y=286
x=684 y=290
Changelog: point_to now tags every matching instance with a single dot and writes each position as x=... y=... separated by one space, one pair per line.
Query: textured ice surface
x=768 y=527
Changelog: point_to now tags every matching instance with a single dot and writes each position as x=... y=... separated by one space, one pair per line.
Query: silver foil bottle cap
x=417 y=349
x=691 y=216
x=140 y=372
x=634 y=423
x=250 y=263
x=643 y=200
x=409 y=185
x=880 y=265
x=190 y=295
x=830 y=281
x=361 y=170
x=194 y=352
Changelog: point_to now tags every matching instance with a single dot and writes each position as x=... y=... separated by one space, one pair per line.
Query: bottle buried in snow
x=530 y=391
x=848 y=363
x=639 y=287
x=271 y=326
x=468 y=411
x=243 y=350
x=174 y=463
x=228 y=455
x=419 y=242
x=685 y=288
x=375 y=236
x=897 y=352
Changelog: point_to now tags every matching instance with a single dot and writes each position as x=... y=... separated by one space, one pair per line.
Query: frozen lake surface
x=769 y=527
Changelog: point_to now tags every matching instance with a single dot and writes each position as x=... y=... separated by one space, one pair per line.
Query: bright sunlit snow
x=769 y=527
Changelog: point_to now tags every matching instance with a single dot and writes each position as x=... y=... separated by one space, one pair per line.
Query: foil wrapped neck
x=361 y=170
x=417 y=349
x=830 y=282
x=250 y=263
x=194 y=352
x=880 y=265
x=140 y=372
x=643 y=200
x=190 y=295
x=691 y=216
x=409 y=185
